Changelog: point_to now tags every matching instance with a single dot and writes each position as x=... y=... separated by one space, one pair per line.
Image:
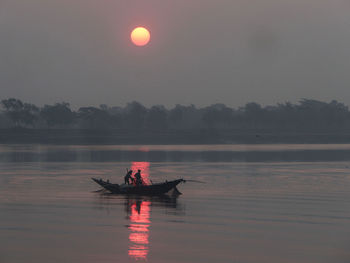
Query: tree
x=253 y=113
x=156 y=118
x=217 y=115
x=59 y=114
x=29 y=114
x=95 y=118
x=13 y=108
x=176 y=115
x=184 y=117
x=20 y=113
x=134 y=115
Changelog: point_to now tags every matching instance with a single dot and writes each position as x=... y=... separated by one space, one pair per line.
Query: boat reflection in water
x=138 y=212
x=139 y=228
x=139 y=215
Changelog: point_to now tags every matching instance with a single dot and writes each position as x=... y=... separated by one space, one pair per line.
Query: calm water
x=260 y=203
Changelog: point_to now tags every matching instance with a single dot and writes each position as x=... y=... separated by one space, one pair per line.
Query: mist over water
x=247 y=211
x=177 y=153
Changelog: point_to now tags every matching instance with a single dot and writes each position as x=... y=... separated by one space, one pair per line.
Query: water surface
x=291 y=207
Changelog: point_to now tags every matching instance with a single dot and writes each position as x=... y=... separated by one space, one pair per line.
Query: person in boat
x=138 y=177
x=128 y=178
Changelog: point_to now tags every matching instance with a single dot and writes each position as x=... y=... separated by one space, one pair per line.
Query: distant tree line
x=307 y=114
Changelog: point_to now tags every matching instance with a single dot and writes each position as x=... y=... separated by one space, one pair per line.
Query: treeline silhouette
x=306 y=115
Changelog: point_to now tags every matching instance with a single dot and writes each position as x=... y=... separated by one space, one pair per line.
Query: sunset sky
x=201 y=51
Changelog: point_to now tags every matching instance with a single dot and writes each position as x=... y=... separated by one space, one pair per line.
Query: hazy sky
x=201 y=51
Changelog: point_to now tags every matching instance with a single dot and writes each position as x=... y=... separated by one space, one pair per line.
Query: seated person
x=138 y=177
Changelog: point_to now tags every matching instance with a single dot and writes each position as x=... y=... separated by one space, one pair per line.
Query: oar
x=99 y=191
x=195 y=181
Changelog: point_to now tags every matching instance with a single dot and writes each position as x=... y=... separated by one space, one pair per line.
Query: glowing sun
x=140 y=36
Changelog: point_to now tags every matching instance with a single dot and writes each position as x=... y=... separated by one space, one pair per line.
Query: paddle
x=195 y=181
x=99 y=191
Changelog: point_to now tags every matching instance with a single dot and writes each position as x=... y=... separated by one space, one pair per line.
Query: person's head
x=139 y=170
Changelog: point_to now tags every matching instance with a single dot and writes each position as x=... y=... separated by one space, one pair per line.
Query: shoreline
x=168 y=137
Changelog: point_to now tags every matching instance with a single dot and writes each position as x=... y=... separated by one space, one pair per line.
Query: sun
x=140 y=36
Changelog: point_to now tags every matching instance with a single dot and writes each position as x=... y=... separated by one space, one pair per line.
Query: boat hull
x=153 y=189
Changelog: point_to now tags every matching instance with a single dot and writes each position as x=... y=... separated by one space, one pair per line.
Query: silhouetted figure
x=138 y=206
x=138 y=177
x=127 y=177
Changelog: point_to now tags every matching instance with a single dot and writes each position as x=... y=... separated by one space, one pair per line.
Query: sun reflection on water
x=139 y=216
x=139 y=229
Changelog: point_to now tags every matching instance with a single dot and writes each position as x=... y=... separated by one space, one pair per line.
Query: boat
x=152 y=189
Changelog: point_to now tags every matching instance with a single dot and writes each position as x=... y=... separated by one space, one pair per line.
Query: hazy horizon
x=201 y=52
x=171 y=106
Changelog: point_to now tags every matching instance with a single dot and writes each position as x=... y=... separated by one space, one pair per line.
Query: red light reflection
x=139 y=227
x=144 y=167
x=140 y=219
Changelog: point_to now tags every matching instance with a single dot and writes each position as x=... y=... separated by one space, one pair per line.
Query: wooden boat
x=152 y=189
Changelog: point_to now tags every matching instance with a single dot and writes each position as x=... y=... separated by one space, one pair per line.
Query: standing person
x=127 y=177
x=138 y=177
